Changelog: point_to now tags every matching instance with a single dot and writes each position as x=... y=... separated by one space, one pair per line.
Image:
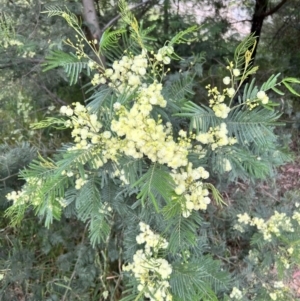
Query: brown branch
x=274 y=9
x=10 y=176
x=93 y=28
x=91 y=19
x=241 y=21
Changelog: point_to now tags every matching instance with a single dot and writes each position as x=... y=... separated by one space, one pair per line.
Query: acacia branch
x=8 y=177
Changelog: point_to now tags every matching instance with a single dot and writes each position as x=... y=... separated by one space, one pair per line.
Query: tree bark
x=260 y=13
x=166 y=17
x=91 y=19
x=258 y=20
x=92 y=23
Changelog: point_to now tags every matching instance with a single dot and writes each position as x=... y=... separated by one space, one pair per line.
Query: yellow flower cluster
x=85 y=125
x=226 y=165
x=296 y=216
x=143 y=135
x=120 y=173
x=253 y=256
x=80 y=182
x=276 y=223
x=234 y=73
x=135 y=133
x=188 y=184
x=11 y=42
x=216 y=102
x=217 y=137
x=22 y=197
x=279 y=287
x=226 y=80
x=124 y=74
x=230 y=92
x=163 y=54
x=263 y=97
x=138 y=133
x=151 y=272
x=150 y=239
x=275 y=294
x=105 y=208
x=236 y=294
x=251 y=104
x=17 y=197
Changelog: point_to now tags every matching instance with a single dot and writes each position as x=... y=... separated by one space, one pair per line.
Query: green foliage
x=6 y=27
x=183 y=36
x=201 y=117
x=153 y=185
x=139 y=177
x=197 y=278
x=70 y=62
x=55 y=264
x=243 y=52
x=12 y=160
x=110 y=38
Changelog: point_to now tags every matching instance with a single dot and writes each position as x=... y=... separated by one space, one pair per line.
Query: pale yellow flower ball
x=69 y=112
x=226 y=80
x=261 y=94
x=236 y=72
x=230 y=92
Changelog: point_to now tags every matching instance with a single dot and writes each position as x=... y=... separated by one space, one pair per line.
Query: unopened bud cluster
x=217 y=102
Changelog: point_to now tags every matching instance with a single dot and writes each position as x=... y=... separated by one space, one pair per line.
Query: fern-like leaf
x=241 y=50
x=183 y=233
x=70 y=62
x=57 y=123
x=250 y=91
x=110 y=38
x=155 y=183
x=270 y=83
x=56 y=10
x=179 y=90
x=252 y=126
x=201 y=117
x=184 y=36
x=196 y=279
x=88 y=200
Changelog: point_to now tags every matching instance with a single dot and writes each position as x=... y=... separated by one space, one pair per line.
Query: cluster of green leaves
x=58 y=264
